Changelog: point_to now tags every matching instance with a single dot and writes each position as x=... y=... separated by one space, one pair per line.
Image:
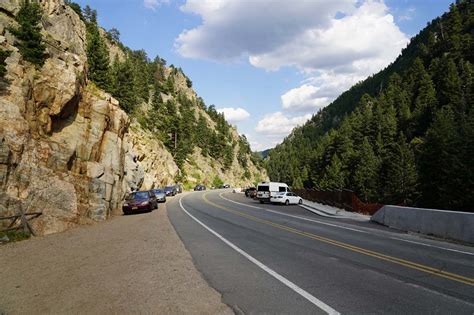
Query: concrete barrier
x=447 y=224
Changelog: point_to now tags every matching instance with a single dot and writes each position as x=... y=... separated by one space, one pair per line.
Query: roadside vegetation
x=403 y=136
x=14 y=236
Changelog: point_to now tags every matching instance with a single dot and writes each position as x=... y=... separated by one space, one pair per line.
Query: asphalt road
x=278 y=259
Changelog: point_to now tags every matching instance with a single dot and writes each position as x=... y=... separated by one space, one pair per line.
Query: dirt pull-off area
x=131 y=264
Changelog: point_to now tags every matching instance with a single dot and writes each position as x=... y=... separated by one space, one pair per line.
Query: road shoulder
x=130 y=264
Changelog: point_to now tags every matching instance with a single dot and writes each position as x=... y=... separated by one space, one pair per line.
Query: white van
x=265 y=190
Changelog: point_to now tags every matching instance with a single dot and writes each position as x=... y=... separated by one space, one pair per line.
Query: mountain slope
x=402 y=136
x=85 y=120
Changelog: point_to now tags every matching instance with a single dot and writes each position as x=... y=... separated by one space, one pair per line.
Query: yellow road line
x=395 y=260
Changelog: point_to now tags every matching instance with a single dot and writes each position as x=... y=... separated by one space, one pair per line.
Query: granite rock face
x=64 y=148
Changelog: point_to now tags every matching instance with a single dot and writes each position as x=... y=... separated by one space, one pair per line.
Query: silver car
x=160 y=195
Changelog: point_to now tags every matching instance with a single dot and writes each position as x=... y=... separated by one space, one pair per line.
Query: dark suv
x=250 y=192
x=139 y=201
x=170 y=190
x=199 y=187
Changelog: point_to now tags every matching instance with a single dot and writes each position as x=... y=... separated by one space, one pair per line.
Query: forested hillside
x=403 y=136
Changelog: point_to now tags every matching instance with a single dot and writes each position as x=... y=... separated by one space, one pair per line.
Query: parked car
x=286 y=198
x=140 y=201
x=179 y=189
x=251 y=192
x=266 y=190
x=199 y=187
x=170 y=190
x=160 y=195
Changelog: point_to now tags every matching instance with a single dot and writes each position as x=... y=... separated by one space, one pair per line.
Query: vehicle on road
x=140 y=201
x=199 y=187
x=251 y=192
x=160 y=195
x=225 y=186
x=170 y=191
x=179 y=188
x=286 y=198
x=265 y=190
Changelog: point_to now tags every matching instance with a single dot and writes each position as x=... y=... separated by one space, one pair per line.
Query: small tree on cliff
x=97 y=53
x=3 y=55
x=28 y=33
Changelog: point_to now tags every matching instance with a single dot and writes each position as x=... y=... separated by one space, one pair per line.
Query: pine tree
x=440 y=164
x=28 y=33
x=334 y=177
x=76 y=7
x=425 y=105
x=401 y=188
x=97 y=53
x=122 y=84
x=366 y=171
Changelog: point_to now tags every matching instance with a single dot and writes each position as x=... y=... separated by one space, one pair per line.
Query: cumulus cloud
x=277 y=124
x=233 y=28
x=154 y=4
x=234 y=114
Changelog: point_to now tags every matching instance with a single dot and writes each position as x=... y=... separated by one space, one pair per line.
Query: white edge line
x=346 y=228
x=295 y=216
x=320 y=304
x=434 y=246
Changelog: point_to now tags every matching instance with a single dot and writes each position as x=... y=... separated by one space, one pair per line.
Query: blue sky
x=269 y=64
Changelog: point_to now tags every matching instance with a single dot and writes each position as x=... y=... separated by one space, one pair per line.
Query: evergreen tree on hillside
x=28 y=33
x=122 y=85
x=334 y=177
x=425 y=105
x=366 y=172
x=440 y=162
x=401 y=186
x=97 y=52
x=76 y=7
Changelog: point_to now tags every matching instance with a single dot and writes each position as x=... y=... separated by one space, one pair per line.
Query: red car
x=140 y=201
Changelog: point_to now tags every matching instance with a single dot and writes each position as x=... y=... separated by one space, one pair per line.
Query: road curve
x=277 y=259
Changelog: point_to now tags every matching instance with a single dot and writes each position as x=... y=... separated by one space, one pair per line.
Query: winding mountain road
x=277 y=259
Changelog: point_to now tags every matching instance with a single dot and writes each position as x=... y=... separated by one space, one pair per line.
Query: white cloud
x=303 y=98
x=277 y=124
x=234 y=114
x=231 y=29
x=408 y=15
x=154 y=4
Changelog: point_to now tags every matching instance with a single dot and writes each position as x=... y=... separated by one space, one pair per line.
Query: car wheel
x=300 y=202
x=287 y=202
x=126 y=213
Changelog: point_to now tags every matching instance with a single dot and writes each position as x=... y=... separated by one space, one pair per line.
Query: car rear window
x=263 y=188
x=157 y=191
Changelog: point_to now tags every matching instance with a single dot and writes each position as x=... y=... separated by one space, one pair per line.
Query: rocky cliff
x=67 y=149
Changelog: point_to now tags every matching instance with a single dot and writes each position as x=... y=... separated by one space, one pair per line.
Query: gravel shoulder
x=130 y=264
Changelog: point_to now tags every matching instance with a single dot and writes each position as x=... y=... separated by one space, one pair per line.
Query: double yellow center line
x=395 y=260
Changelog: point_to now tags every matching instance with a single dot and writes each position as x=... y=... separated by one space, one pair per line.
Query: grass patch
x=15 y=236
